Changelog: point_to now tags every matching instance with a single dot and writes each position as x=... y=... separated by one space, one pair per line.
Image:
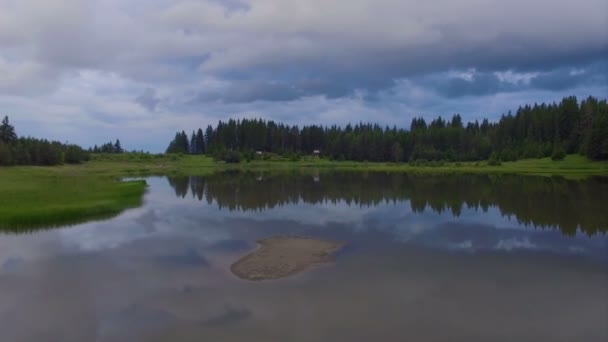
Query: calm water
x=459 y=258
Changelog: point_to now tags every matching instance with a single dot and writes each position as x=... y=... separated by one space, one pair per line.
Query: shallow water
x=443 y=258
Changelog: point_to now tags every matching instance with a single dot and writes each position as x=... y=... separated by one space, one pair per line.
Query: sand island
x=282 y=256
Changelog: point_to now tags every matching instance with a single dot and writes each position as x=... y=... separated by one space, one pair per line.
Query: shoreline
x=573 y=166
x=48 y=196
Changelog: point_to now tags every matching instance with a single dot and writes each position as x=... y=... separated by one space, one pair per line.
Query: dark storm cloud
x=567 y=78
x=472 y=82
x=354 y=69
x=482 y=84
x=248 y=91
x=148 y=99
x=244 y=91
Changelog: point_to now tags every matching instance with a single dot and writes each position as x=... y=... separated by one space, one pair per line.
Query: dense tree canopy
x=16 y=150
x=540 y=130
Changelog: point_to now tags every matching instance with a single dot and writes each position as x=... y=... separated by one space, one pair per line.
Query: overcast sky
x=90 y=71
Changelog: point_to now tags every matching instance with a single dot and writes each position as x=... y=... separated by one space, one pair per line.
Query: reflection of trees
x=539 y=201
x=180 y=185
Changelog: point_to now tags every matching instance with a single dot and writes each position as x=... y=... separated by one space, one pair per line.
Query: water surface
x=442 y=258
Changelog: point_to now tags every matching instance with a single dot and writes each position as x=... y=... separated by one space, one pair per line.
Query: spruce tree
x=200 y=142
x=117 y=148
x=7 y=132
x=193 y=144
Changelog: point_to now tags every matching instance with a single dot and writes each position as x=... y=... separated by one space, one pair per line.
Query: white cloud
x=124 y=37
x=25 y=77
x=515 y=78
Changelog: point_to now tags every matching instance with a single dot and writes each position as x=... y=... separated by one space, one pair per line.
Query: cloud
x=568 y=77
x=248 y=91
x=296 y=40
x=471 y=82
x=26 y=78
x=148 y=99
x=182 y=61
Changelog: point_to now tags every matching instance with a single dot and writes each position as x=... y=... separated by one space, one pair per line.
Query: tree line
x=15 y=150
x=108 y=147
x=533 y=131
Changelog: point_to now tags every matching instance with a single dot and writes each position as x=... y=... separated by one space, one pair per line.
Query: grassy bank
x=33 y=197
x=36 y=197
x=573 y=166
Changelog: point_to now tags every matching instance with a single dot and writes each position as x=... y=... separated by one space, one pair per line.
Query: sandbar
x=283 y=256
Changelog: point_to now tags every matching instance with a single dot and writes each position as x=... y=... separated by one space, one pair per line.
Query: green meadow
x=39 y=197
x=36 y=197
x=573 y=166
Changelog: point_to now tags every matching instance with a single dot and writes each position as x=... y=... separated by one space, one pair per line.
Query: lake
x=426 y=258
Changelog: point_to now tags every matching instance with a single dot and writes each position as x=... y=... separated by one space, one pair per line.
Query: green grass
x=33 y=197
x=38 y=197
x=573 y=166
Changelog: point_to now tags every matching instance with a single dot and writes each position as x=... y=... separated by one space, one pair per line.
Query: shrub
x=558 y=154
x=74 y=154
x=232 y=157
x=419 y=162
x=494 y=160
x=294 y=157
x=507 y=155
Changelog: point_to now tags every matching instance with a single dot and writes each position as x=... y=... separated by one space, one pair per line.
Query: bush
x=436 y=163
x=558 y=154
x=494 y=160
x=248 y=155
x=507 y=155
x=419 y=162
x=232 y=157
x=294 y=157
x=74 y=154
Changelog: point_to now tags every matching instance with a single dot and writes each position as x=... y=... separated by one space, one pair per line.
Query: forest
x=533 y=131
x=16 y=150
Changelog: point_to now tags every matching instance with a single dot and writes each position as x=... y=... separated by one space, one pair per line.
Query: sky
x=91 y=71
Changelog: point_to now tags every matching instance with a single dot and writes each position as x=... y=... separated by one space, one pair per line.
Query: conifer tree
x=7 y=132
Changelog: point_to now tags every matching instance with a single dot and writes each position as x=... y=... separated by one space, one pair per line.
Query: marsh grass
x=573 y=166
x=37 y=197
